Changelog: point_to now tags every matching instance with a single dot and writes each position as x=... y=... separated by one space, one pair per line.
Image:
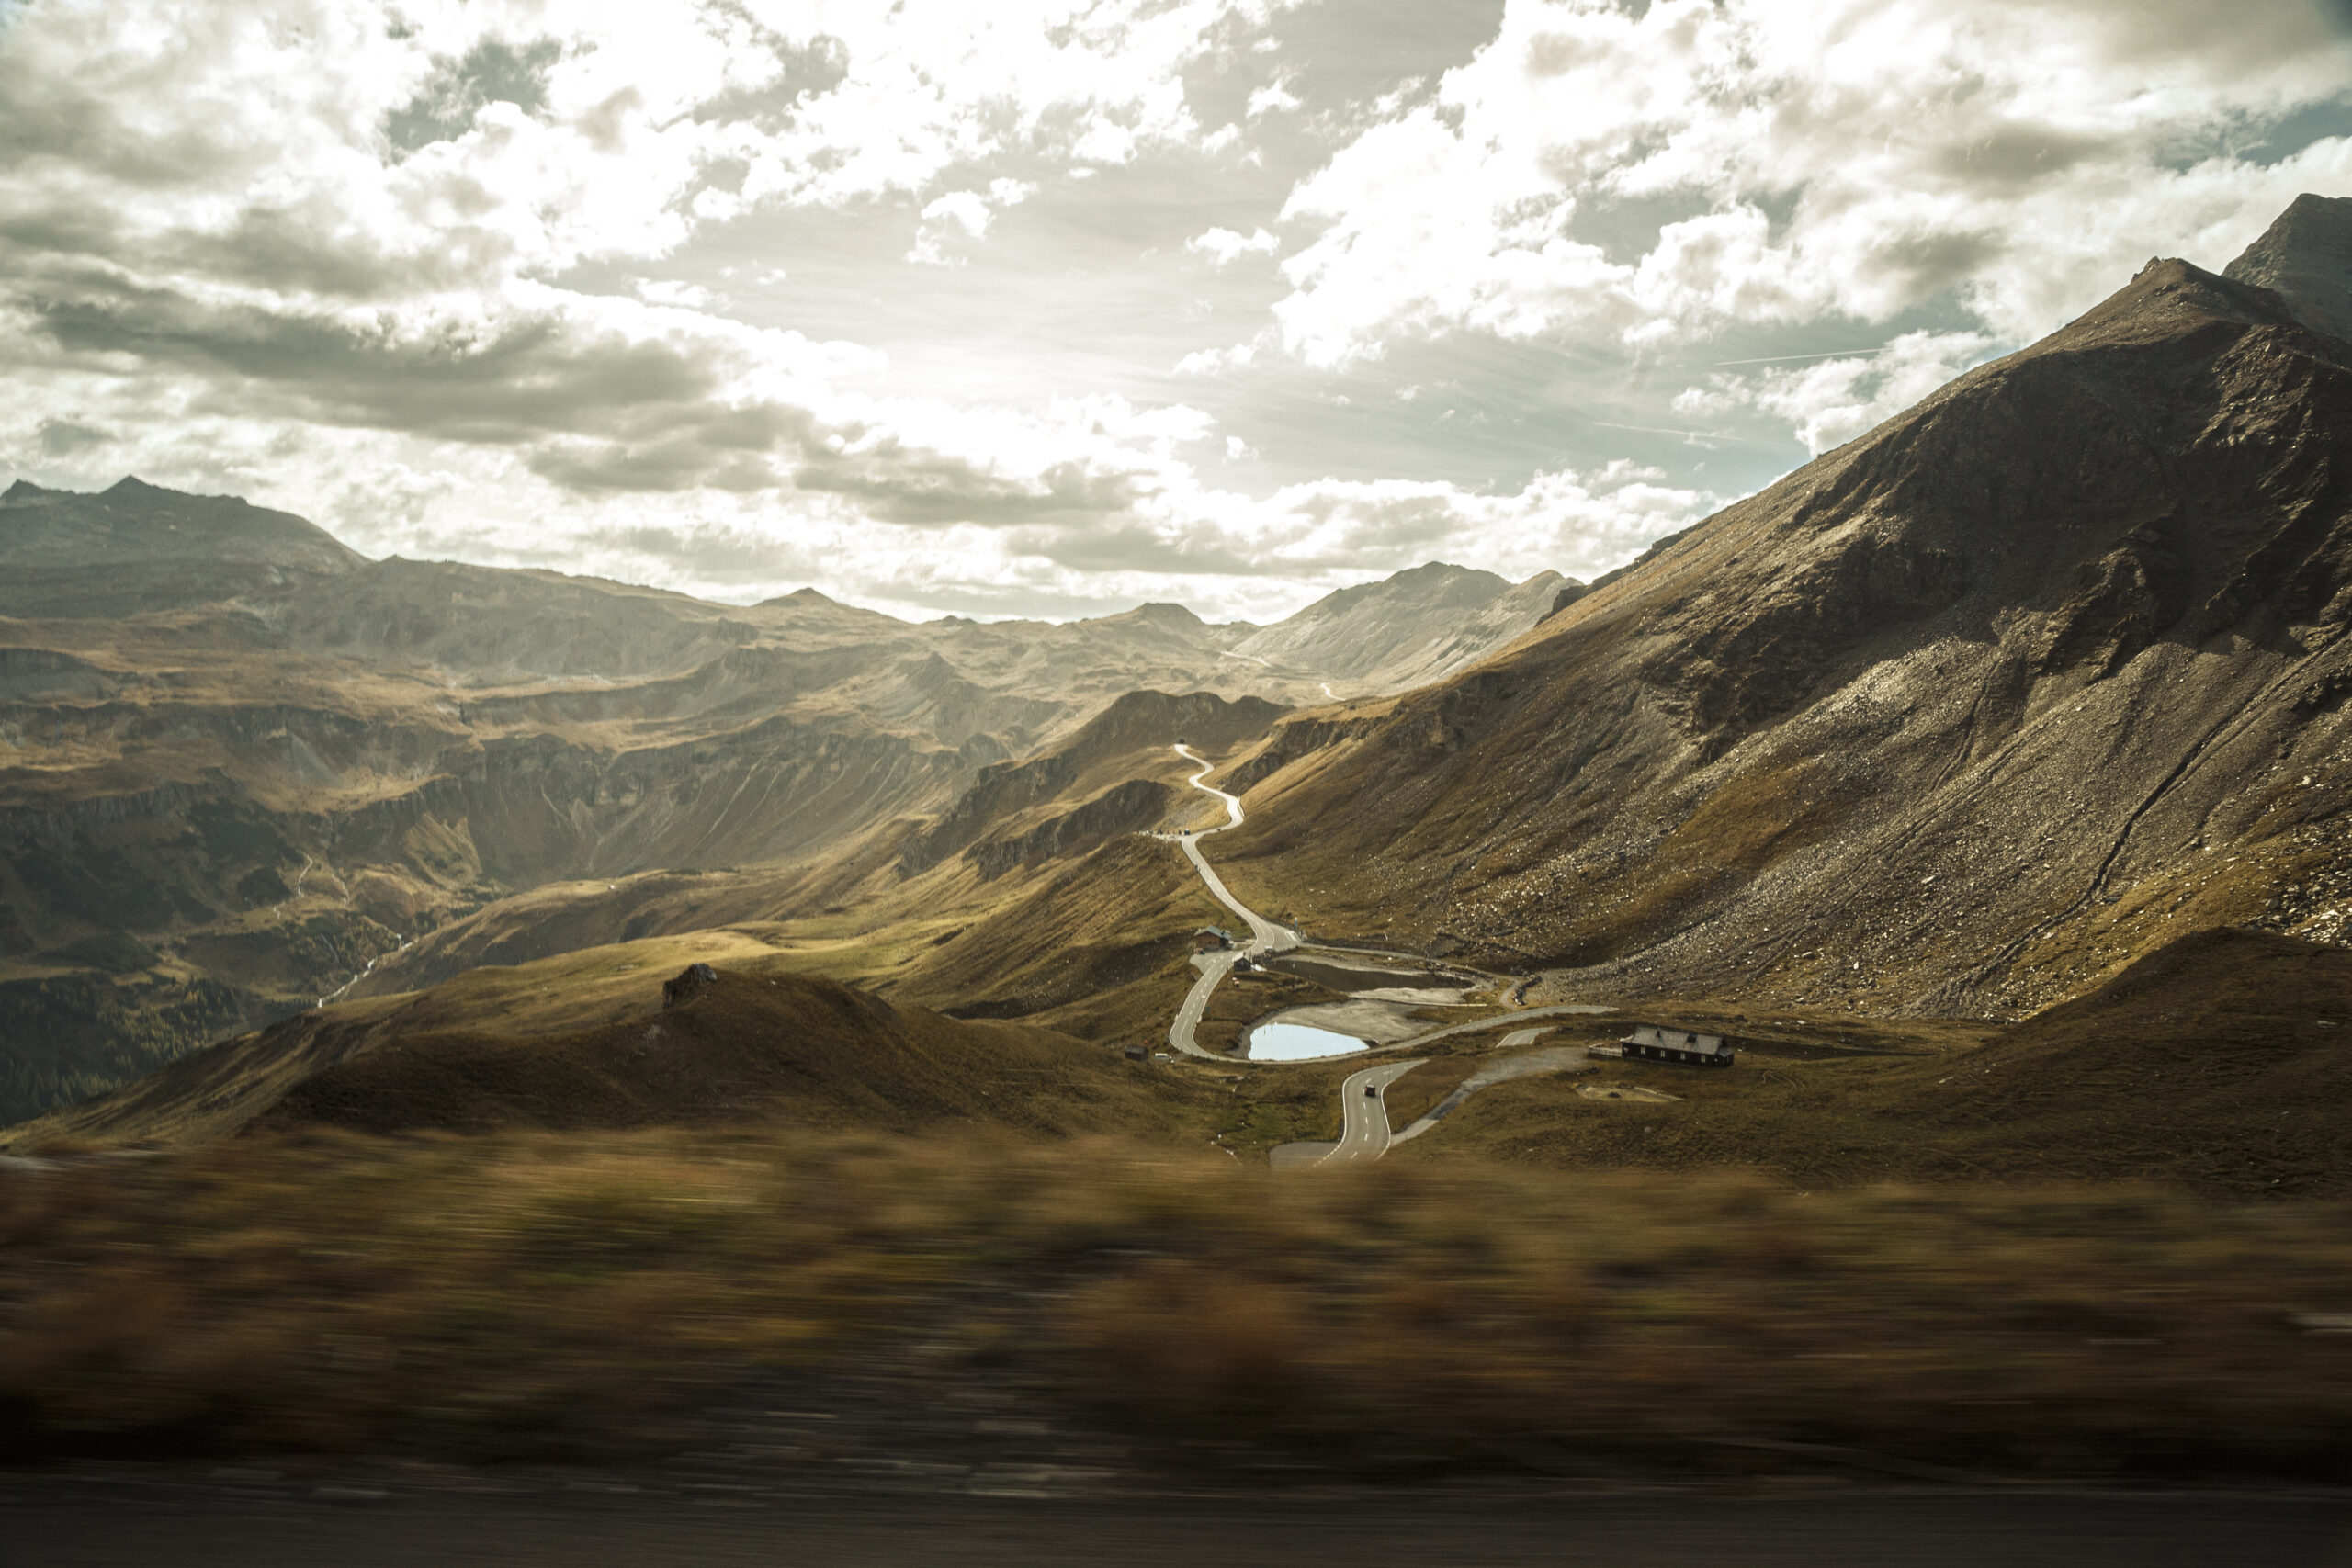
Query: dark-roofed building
x=1667 y=1042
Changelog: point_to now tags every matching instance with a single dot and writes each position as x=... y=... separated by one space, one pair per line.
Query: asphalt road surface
x=1363 y=1118
x=1437 y=1529
x=1214 y=966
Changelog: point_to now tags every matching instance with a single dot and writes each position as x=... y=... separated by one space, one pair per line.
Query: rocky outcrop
x=687 y=984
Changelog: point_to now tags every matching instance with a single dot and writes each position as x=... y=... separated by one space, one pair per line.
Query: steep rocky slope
x=1958 y=718
x=2306 y=257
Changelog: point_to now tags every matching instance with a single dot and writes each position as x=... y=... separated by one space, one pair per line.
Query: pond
x=1298 y=1043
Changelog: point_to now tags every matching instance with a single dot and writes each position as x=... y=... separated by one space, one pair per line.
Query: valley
x=1979 y=724
x=228 y=793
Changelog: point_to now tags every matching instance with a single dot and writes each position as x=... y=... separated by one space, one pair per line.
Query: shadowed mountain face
x=241 y=765
x=1959 y=718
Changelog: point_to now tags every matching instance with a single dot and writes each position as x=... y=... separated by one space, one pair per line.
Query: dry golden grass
x=536 y=1294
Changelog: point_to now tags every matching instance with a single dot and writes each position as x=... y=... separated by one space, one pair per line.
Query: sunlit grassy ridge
x=526 y=1293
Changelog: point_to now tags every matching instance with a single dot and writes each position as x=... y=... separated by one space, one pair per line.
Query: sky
x=1044 y=307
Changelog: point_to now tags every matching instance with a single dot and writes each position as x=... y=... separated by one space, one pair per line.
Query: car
x=1372 y=1089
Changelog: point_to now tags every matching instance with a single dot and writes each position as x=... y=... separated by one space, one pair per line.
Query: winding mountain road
x=1364 y=1116
x=1265 y=936
x=1364 y=1132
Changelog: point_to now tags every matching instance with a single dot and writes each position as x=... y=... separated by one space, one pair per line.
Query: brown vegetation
x=525 y=1294
x=776 y=1048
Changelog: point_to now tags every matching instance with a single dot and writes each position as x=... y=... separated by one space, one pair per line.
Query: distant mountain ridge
x=136 y=547
x=1410 y=629
x=134 y=521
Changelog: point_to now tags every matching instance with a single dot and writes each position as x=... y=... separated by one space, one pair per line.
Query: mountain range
x=1990 y=708
x=240 y=764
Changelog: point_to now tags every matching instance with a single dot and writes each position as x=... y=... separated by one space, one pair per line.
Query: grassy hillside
x=784 y=1049
x=582 y=1041
x=2221 y=1064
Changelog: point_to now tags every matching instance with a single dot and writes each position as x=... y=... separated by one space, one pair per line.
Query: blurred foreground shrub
x=563 y=1296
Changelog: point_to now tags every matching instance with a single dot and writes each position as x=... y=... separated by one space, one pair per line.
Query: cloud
x=491 y=72
x=1580 y=523
x=1833 y=398
x=65 y=438
x=509 y=281
x=967 y=210
x=1852 y=160
x=1275 y=98
x=671 y=291
x=355 y=227
x=1215 y=361
x=1223 y=246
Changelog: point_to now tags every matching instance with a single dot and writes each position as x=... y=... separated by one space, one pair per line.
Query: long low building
x=1665 y=1043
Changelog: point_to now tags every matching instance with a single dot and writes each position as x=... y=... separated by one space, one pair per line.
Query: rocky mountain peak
x=24 y=493
x=1156 y=615
x=2306 y=256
